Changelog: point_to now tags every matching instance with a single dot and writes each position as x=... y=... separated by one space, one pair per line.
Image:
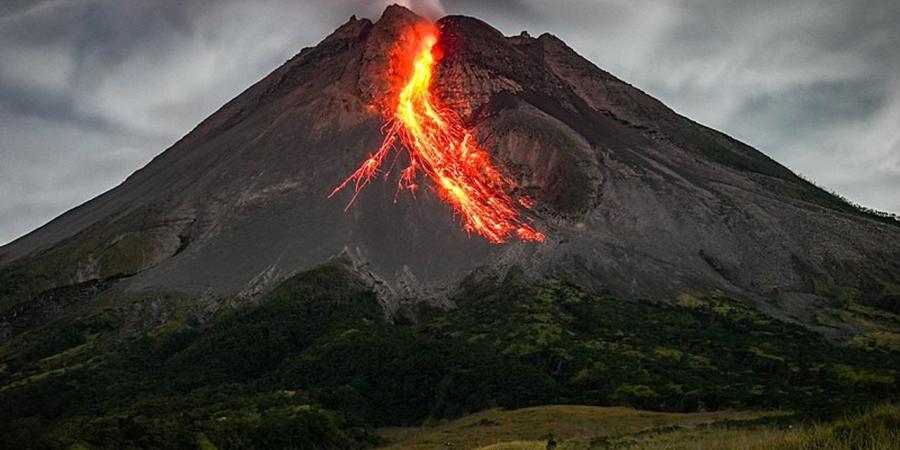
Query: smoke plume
x=431 y=9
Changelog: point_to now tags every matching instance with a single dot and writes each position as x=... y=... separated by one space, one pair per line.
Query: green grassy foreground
x=589 y=428
x=529 y=427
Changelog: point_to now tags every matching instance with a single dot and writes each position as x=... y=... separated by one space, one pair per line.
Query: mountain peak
x=352 y=29
x=632 y=197
x=399 y=15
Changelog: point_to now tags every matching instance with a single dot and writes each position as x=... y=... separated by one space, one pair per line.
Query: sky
x=91 y=90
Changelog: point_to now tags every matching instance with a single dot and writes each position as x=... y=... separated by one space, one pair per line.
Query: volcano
x=611 y=189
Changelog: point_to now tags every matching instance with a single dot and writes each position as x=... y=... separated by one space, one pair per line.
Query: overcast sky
x=91 y=90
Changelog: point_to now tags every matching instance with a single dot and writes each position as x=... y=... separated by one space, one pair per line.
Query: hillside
x=315 y=362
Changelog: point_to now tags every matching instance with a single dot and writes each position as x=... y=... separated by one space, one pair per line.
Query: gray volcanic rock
x=633 y=198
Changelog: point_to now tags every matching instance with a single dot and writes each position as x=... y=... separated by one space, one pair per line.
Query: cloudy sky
x=91 y=90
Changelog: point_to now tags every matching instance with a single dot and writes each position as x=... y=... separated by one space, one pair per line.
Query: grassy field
x=588 y=428
x=530 y=427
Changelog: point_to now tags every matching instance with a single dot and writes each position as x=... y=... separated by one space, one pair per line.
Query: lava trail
x=439 y=145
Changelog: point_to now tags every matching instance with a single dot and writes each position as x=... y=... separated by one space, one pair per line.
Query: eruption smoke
x=430 y=9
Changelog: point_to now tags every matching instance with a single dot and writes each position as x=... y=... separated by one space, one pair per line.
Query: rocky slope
x=634 y=199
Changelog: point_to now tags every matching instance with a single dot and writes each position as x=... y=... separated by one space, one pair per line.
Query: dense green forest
x=316 y=365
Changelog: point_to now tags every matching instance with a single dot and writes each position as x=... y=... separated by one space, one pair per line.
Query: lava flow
x=440 y=145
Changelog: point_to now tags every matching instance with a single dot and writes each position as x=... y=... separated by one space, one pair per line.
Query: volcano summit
x=476 y=162
x=632 y=197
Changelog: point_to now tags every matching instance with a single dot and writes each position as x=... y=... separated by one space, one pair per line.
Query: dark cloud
x=92 y=89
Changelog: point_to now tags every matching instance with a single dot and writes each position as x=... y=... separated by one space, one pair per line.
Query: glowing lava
x=440 y=145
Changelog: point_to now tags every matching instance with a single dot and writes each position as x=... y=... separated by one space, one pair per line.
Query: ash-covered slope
x=633 y=198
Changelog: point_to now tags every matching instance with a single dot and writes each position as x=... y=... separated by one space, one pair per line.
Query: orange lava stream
x=440 y=145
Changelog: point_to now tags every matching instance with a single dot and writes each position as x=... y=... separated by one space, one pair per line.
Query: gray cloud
x=90 y=90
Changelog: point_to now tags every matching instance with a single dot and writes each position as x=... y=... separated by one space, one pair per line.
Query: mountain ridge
x=634 y=198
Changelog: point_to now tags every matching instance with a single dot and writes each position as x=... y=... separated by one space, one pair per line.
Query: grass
x=517 y=445
x=71 y=352
x=41 y=376
x=528 y=427
x=880 y=329
x=878 y=429
x=588 y=428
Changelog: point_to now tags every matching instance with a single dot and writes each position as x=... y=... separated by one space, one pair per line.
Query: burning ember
x=440 y=145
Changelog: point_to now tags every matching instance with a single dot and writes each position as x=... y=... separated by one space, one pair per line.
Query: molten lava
x=440 y=145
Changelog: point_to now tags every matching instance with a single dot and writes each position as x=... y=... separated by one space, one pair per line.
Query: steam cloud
x=431 y=9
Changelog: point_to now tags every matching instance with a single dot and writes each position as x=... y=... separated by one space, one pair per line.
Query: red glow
x=440 y=145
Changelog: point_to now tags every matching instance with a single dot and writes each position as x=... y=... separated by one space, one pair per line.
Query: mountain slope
x=315 y=366
x=634 y=199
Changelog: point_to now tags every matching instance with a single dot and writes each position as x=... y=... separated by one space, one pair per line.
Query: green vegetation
x=875 y=316
x=18 y=282
x=523 y=428
x=316 y=358
x=597 y=428
x=316 y=365
x=878 y=429
x=703 y=353
x=103 y=252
